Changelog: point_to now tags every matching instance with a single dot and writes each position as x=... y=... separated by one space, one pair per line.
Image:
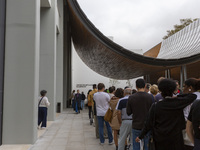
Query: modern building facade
x=31 y=59
x=36 y=53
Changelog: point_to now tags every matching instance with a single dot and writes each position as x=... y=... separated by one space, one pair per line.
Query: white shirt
x=102 y=103
x=44 y=102
x=186 y=110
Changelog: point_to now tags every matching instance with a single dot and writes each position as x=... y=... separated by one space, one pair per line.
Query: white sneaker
x=111 y=143
x=101 y=144
x=43 y=128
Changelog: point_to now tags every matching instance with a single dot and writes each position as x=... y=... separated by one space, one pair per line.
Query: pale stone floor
x=69 y=131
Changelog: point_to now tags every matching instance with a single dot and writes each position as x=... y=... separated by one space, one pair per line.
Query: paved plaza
x=70 y=131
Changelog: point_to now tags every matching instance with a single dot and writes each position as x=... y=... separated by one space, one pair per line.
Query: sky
x=138 y=24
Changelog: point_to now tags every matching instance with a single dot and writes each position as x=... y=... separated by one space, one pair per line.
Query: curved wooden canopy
x=108 y=58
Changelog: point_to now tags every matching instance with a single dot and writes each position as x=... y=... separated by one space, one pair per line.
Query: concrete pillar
x=21 y=72
x=181 y=78
x=48 y=35
x=67 y=72
x=59 y=55
x=2 y=54
x=168 y=73
x=185 y=72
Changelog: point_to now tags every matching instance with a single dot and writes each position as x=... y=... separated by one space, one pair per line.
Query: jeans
x=196 y=144
x=82 y=104
x=90 y=111
x=125 y=130
x=136 y=146
x=42 y=116
x=101 y=131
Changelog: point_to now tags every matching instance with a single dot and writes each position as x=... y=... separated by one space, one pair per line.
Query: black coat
x=77 y=99
x=166 y=121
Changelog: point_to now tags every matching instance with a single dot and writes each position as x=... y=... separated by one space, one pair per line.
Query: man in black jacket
x=138 y=105
x=77 y=100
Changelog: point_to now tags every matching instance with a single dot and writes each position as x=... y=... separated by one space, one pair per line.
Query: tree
x=184 y=23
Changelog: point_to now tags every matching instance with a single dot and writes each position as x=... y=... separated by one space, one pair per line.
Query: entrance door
x=2 y=54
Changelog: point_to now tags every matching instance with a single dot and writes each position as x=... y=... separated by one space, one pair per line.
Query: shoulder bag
x=108 y=115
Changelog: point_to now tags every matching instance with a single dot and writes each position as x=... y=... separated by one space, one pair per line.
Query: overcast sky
x=138 y=24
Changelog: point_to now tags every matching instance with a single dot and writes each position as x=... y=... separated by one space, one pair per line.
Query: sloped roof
x=108 y=58
x=184 y=43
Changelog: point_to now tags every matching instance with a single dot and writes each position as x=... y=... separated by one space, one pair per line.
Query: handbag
x=151 y=140
x=108 y=115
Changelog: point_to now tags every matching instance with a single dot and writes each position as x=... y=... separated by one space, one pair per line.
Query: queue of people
x=153 y=115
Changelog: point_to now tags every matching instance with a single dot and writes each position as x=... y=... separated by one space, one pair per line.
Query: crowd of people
x=161 y=116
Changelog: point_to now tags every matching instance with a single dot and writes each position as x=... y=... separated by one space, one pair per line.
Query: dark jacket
x=166 y=119
x=77 y=99
x=82 y=97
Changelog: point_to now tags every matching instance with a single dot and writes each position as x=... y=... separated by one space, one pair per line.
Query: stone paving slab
x=70 y=131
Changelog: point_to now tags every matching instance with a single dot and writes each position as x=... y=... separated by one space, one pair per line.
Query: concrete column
x=48 y=55
x=21 y=72
x=67 y=74
x=2 y=54
x=185 y=72
x=181 y=77
x=59 y=55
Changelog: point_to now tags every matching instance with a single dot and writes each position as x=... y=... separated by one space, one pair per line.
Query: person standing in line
x=165 y=118
x=147 y=86
x=72 y=98
x=138 y=106
x=111 y=91
x=115 y=125
x=82 y=100
x=91 y=102
x=43 y=103
x=159 y=96
x=190 y=86
x=153 y=90
x=102 y=100
x=124 y=120
x=193 y=122
x=77 y=101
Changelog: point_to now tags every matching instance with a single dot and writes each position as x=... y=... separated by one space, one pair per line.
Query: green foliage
x=184 y=23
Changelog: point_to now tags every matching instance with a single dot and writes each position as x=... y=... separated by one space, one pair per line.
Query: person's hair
x=140 y=83
x=82 y=92
x=128 y=91
x=94 y=86
x=134 y=91
x=160 y=79
x=195 y=83
x=89 y=91
x=101 y=86
x=167 y=87
x=126 y=87
x=114 y=88
x=43 y=92
x=147 y=86
x=73 y=91
x=119 y=93
x=153 y=89
x=111 y=89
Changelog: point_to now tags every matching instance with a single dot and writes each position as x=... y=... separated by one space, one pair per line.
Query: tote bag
x=108 y=115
